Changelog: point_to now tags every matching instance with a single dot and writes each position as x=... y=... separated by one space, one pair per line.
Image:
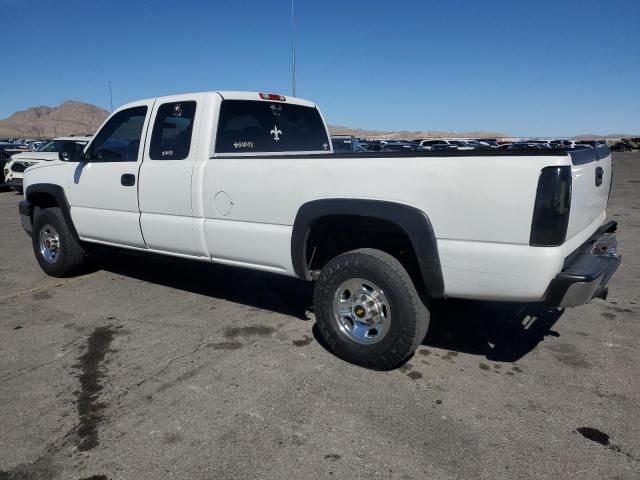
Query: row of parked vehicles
x=345 y=143
x=17 y=155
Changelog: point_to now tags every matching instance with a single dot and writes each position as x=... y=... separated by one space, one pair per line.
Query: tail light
x=273 y=96
x=551 y=210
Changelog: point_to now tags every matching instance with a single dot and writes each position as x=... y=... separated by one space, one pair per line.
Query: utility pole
x=293 y=53
x=110 y=95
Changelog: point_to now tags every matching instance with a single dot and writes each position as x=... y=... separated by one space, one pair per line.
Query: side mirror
x=71 y=152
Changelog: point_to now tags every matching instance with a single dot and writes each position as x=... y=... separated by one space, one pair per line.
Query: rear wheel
x=368 y=310
x=57 y=250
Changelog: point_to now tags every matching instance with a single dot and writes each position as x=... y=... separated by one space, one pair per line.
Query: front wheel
x=368 y=310
x=57 y=250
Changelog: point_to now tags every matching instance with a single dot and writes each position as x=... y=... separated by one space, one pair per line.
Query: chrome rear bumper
x=587 y=271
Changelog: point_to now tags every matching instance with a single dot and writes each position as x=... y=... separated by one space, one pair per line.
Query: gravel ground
x=148 y=369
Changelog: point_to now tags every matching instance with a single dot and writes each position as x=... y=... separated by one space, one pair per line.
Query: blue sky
x=558 y=67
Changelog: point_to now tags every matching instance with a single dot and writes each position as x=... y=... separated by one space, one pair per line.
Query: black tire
x=69 y=256
x=409 y=317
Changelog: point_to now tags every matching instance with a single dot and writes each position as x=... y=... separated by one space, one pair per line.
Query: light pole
x=293 y=53
x=110 y=95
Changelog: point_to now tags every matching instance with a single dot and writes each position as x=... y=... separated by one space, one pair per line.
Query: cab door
x=104 y=189
x=171 y=151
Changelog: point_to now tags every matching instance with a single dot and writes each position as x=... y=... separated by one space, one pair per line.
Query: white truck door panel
x=165 y=188
x=104 y=189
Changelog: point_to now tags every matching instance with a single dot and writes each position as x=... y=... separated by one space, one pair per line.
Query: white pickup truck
x=250 y=179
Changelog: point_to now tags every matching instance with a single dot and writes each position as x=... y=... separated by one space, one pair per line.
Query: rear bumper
x=25 y=209
x=586 y=271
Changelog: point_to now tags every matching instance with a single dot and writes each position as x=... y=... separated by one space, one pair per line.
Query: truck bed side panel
x=479 y=205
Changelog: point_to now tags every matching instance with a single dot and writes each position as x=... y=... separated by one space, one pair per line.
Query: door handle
x=599 y=175
x=128 y=179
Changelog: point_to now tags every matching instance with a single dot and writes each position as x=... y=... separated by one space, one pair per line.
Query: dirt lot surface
x=150 y=369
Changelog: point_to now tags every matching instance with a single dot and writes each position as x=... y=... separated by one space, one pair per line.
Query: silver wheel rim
x=362 y=311
x=49 y=244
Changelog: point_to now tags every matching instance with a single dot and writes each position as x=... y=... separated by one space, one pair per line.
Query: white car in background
x=14 y=168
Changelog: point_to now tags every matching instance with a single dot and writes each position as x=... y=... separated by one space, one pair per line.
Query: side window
x=119 y=139
x=171 y=137
x=247 y=126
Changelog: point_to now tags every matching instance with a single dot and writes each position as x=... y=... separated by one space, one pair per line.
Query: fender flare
x=414 y=222
x=57 y=192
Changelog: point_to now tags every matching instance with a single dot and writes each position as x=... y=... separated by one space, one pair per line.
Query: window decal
x=275 y=132
x=276 y=109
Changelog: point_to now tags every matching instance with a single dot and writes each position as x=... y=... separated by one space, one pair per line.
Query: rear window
x=171 y=137
x=253 y=126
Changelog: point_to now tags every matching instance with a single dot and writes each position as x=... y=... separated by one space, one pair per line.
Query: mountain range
x=70 y=118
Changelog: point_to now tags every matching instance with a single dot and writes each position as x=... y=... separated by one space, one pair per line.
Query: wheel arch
x=414 y=223
x=50 y=195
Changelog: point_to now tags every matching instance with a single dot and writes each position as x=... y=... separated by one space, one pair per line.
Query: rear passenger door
x=166 y=213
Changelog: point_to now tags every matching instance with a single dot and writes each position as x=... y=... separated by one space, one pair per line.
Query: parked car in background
x=397 y=146
x=443 y=147
x=621 y=147
x=517 y=146
x=14 y=169
x=459 y=144
x=593 y=143
x=13 y=149
x=492 y=142
x=478 y=145
x=425 y=145
x=37 y=145
x=346 y=143
x=523 y=146
x=364 y=143
x=574 y=143
x=12 y=146
x=4 y=158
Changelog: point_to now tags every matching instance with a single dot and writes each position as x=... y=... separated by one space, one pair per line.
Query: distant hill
x=70 y=118
x=611 y=136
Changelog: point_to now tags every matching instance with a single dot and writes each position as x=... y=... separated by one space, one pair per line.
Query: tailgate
x=591 y=180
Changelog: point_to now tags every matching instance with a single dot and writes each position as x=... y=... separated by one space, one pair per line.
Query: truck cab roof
x=232 y=95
